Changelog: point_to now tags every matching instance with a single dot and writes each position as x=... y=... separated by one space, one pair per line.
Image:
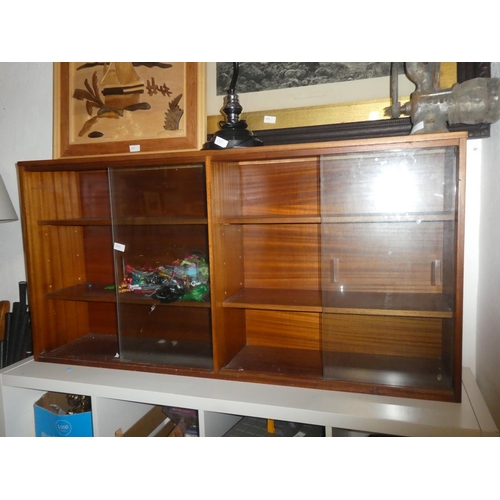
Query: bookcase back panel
x=281 y=256
x=103 y=318
x=159 y=192
x=283 y=329
x=98 y=248
x=164 y=245
x=386 y=182
x=178 y=336
x=383 y=257
x=94 y=194
x=280 y=188
x=382 y=335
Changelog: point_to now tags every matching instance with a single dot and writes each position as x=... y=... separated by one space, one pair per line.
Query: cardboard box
x=50 y=423
x=153 y=424
x=164 y=421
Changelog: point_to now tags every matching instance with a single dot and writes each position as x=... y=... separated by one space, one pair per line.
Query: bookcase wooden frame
x=269 y=307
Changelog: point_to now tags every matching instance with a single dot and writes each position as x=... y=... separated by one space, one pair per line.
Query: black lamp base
x=233 y=136
x=233 y=132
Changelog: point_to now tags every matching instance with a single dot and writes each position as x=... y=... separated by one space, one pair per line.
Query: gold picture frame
x=120 y=108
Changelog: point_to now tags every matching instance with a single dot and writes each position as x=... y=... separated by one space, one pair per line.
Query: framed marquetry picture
x=128 y=107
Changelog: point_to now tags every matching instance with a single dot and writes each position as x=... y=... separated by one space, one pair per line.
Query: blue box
x=49 y=423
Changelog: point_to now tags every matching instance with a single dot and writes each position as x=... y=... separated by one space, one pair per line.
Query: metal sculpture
x=432 y=108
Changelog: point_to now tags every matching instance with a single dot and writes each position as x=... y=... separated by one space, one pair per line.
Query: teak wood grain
x=315 y=279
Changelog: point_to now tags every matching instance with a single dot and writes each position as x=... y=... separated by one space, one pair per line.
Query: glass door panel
x=160 y=240
x=388 y=267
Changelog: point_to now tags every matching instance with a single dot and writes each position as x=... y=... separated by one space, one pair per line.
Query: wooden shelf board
x=136 y=221
x=371 y=303
x=283 y=362
x=85 y=292
x=387 y=370
x=387 y=312
x=177 y=353
x=102 y=351
x=403 y=217
x=75 y=222
x=261 y=362
x=97 y=292
x=160 y=221
x=91 y=347
x=271 y=219
x=339 y=218
x=428 y=305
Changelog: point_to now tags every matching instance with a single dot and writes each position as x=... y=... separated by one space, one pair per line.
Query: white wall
x=488 y=304
x=471 y=251
x=25 y=134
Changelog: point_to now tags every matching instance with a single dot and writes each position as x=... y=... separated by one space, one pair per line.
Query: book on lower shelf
x=164 y=421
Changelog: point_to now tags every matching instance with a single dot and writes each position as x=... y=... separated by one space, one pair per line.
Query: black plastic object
x=18 y=337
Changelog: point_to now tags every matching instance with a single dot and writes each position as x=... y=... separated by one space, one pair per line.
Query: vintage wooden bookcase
x=332 y=265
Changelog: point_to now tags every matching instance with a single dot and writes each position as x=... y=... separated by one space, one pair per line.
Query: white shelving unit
x=119 y=398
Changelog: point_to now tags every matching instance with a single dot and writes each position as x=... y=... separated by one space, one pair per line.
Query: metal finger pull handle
x=334 y=270
x=436 y=273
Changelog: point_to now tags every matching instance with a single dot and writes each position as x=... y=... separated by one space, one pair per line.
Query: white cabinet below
x=119 y=398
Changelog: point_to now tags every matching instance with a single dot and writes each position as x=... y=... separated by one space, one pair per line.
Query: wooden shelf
x=428 y=305
x=340 y=218
x=132 y=298
x=135 y=221
x=102 y=351
x=403 y=217
x=75 y=222
x=272 y=219
x=396 y=371
x=391 y=304
x=160 y=221
x=89 y=350
x=264 y=361
x=179 y=353
x=98 y=292
x=86 y=292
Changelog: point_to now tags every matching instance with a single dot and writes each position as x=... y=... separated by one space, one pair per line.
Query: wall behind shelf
x=26 y=134
x=487 y=332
